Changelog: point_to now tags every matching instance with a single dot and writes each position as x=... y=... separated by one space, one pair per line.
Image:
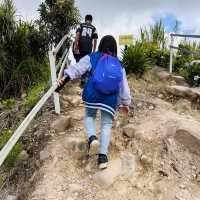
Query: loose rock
x=62 y=124
x=23 y=155
x=44 y=155
x=107 y=177
x=129 y=130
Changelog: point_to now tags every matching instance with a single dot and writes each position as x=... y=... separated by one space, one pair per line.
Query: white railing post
x=53 y=79
x=171 y=54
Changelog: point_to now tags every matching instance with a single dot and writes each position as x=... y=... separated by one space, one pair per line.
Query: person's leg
x=106 y=126
x=90 y=125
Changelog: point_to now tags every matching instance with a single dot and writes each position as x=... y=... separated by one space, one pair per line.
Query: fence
x=181 y=49
x=20 y=130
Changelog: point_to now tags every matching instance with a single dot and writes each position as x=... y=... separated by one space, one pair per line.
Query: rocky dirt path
x=154 y=155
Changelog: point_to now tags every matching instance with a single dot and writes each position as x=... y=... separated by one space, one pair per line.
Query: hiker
x=106 y=90
x=85 y=40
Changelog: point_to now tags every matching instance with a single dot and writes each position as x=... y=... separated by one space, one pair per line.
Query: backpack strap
x=94 y=58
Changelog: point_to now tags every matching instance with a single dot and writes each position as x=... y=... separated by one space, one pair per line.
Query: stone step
x=125 y=167
x=188 y=134
x=183 y=91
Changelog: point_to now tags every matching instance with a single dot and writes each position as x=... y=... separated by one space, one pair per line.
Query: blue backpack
x=107 y=75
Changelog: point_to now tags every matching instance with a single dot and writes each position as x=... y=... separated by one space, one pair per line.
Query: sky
x=127 y=16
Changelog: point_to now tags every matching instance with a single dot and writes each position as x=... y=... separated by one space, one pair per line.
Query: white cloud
x=127 y=16
x=123 y=17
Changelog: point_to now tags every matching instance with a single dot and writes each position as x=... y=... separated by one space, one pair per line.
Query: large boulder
x=188 y=134
x=129 y=130
x=123 y=167
x=78 y=147
x=73 y=100
x=107 y=177
x=185 y=92
x=61 y=124
x=179 y=80
x=161 y=73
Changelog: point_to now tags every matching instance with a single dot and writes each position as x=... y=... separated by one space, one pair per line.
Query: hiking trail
x=153 y=155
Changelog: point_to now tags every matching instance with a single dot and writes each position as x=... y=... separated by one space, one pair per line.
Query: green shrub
x=134 y=59
x=152 y=51
x=10 y=160
x=34 y=94
x=163 y=60
x=192 y=72
x=9 y=103
x=2 y=179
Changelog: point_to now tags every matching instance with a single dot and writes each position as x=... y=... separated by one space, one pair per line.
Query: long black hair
x=108 y=45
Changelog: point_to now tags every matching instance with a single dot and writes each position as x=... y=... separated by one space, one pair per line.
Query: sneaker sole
x=94 y=148
x=103 y=165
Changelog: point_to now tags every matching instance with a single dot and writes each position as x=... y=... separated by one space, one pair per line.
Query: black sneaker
x=93 y=144
x=102 y=161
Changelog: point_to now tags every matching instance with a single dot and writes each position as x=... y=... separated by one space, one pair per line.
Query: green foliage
x=9 y=103
x=155 y=34
x=22 y=53
x=190 y=73
x=154 y=43
x=34 y=94
x=2 y=179
x=163 y=60
x=57 y=18
x=10 y=160
x=152 y=51
x=135 y=60
x=183 y=59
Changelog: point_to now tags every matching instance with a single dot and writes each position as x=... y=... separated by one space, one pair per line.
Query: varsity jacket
x=92 y=97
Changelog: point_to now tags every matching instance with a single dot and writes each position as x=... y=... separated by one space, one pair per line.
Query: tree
x=57 y=18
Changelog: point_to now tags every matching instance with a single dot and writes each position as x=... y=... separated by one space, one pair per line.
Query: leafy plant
x=9 y=103
x=154 y=42
x=10 y=160
x=155 y=34
x=135 y=60
x=34 y=94
x=193 y=75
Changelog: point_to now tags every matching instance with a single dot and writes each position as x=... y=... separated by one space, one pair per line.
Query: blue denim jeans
x=106 y=126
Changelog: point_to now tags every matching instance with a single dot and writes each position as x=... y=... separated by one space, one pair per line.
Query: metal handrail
x=183 y=35
x=172 y=35
x=20 y=130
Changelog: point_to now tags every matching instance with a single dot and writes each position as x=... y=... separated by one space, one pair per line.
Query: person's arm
x=74 y=71
x=124 y=95
x=77 y=70
x=76 y=46
x=94 y=45
x=94 y=37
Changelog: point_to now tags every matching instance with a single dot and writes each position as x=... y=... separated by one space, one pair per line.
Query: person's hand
x=60 y=82
x=76 y=49
x=125 y=110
